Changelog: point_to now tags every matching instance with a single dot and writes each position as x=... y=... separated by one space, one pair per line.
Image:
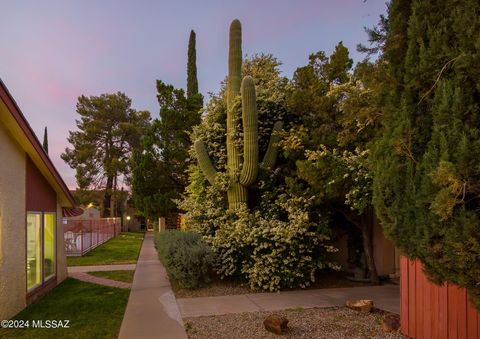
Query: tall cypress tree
x=192 y=82
x=159 y=171
x=427 y=177
x=45 y=140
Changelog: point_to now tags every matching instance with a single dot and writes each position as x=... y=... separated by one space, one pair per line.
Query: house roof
x=19 y=128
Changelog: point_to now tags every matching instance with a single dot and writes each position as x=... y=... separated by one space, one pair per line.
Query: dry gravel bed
x=337 y=322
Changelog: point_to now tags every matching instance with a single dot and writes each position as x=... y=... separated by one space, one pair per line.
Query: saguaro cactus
x=240 y=179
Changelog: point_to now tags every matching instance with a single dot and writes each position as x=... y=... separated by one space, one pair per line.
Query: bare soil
x=218 y=287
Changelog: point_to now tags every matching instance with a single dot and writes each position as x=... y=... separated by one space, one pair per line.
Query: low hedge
x=185 y=256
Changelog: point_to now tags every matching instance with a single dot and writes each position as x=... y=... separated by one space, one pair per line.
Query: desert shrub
x=270 y=249
x=185 y=256
x=271 y=253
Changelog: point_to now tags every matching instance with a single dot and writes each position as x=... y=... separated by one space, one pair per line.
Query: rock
x=276 y=324
x=363 y=306
x=391 y=323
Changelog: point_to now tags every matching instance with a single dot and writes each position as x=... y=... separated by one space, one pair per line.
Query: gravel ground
x=338 y=322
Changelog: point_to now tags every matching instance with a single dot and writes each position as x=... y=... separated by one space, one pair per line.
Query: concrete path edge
x=385 y=297
x=152 y=310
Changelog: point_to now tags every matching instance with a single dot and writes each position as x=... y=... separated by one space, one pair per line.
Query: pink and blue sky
x=54 y=51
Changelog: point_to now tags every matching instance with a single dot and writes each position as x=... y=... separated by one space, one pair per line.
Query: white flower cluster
x=270 y=253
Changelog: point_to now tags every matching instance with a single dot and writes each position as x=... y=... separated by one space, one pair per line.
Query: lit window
x=48 y=245
x=34 y=256
x=40 y=248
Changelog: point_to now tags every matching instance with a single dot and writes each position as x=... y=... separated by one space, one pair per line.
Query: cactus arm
x=270 y=157
x=250 y=132
x=205 y=162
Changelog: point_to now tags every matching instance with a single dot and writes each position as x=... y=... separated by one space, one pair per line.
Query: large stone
x=276 y=324
x=391 y=323
x=363 y=306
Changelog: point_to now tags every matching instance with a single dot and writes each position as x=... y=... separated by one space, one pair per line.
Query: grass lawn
x=94 y=311
x=123 y=249
x=123 y=275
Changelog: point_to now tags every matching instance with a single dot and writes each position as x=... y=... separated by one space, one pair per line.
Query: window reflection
x=33 y=250
x=40 y=248
x=48 y=245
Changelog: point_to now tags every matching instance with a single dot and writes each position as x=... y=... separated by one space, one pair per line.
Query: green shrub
x=185 y=256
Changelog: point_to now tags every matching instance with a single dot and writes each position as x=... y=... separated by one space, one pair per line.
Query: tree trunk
x=367 y=235
x=107 y=198
x=113 y=208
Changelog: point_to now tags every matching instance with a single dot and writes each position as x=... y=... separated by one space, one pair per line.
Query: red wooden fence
x=431 y=311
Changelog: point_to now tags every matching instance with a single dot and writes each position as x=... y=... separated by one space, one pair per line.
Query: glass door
x=34 y=250
x=48 y=245
x=41 y=256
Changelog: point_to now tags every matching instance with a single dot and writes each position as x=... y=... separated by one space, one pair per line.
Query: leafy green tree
x=108 y=131
x=427 y=178
x=159 y=172
x=160 y=165
x=337 y=120
x=45 y=140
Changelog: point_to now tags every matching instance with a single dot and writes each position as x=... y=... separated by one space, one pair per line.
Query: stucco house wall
x=387 y=258
x=13 y=286
x=385 y=254
x=29 y=182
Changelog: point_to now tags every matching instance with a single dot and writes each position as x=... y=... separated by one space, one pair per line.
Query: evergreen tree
x=45 y=140
x=337 y=120
x=108 y=131
x=427 y=178
x=192 y=82
x=153 y=186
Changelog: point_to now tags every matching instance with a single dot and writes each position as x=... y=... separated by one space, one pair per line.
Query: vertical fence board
x=404 y=295
x=462 y=313
x=471 y=321
x=427 y=309
x=452 y=309
x=433 y=325
x=420 y=326
x=431 y=311
x=412 y=311
x=478 y=325
x=442 y=312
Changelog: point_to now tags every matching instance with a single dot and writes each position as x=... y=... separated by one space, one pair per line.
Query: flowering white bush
x=270 y=252
x=345 y=169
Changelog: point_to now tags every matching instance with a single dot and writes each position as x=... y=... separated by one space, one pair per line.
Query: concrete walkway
x=99 y=280
x=93 y=268
x=385 y=297
x=152 y=310
x=80 y=273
